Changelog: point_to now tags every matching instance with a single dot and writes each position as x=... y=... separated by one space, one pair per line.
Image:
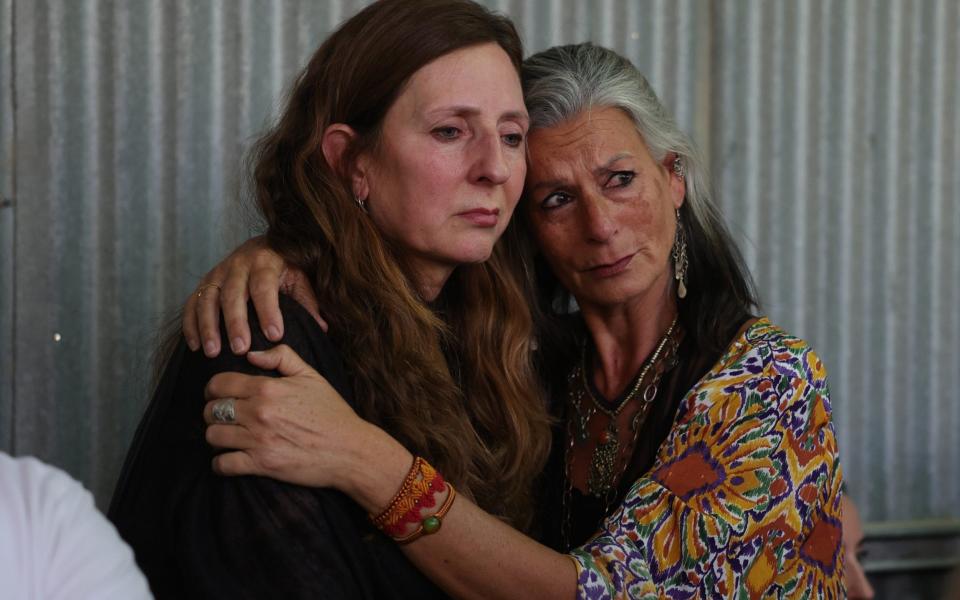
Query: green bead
x=431 y=525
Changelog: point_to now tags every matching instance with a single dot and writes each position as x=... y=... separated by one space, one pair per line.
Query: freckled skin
x=586 y=210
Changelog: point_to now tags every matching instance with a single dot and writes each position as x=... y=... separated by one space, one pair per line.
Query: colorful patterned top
x=743 y=500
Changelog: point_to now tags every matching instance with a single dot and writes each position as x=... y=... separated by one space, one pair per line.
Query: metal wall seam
x=915 y=115
x=99 y=304
x=867 y=387
x=33 y=117
x=847 y=168
x=7 y=226
x=937 y=391
x=950 y=193
x=891 y=177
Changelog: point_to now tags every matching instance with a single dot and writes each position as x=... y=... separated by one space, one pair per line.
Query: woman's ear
x=676 y=170
x=335 y=145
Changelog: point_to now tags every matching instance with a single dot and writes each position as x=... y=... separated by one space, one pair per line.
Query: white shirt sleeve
x=54 y=543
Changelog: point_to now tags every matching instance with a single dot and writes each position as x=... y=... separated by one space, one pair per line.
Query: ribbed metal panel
x=132 y=122
x=834 y=150
x=831 y=127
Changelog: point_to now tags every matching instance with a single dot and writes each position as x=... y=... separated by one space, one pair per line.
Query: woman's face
x=602 y=209
x=448 y=172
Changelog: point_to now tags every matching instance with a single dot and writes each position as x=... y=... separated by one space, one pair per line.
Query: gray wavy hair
x=564 y=81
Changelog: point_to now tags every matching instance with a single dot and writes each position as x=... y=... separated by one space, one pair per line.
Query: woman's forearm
x=473 y=555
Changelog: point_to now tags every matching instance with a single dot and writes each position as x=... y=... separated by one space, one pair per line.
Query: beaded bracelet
x=431 y=524
x=423 y=496
x=417 y=492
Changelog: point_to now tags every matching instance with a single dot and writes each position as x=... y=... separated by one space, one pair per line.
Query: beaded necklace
x=603 y=476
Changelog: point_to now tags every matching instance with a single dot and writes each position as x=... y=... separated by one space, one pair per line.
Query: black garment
x=586 y=512
x=198 y=535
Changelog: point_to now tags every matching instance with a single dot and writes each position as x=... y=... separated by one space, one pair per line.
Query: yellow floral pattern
x=743 y=500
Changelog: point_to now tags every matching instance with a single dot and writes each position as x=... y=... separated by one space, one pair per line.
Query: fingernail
x=210 y=347
x=273 y=332
x=236 y=344
x=192 y=344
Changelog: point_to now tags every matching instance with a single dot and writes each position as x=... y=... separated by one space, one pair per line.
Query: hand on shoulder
x=298 y=429
x=252 y=271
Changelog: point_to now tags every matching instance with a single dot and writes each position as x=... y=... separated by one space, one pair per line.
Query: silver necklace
x=603 y=475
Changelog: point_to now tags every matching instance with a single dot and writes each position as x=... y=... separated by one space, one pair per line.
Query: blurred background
x=832 y=129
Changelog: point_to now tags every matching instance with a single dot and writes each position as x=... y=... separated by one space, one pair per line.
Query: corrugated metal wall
x=835 y=134
x=832 y=129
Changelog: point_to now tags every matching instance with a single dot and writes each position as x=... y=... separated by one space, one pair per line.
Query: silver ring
x=224 y=411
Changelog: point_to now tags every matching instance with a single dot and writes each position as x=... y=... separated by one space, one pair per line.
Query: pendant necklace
x=603 y=475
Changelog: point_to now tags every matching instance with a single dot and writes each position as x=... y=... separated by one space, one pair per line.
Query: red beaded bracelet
x=417 y=492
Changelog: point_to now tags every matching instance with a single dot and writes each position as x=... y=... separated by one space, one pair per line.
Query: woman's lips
x=482 y=217
x=611 y=269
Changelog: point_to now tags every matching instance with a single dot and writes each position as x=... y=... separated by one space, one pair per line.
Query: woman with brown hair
x=389 y=177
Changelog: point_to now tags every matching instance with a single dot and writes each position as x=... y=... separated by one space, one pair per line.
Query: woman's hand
x=298 y=429
x=252 y=271
x=295 y=428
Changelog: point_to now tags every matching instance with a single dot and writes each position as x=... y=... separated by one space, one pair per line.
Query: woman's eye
x=514 y=140
x=555 y=200
x=446 y=133
x=621 y=179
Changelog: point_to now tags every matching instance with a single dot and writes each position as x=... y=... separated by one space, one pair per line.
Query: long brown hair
x=452 y=381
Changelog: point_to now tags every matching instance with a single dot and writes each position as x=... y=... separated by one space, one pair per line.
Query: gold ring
x=205 y=286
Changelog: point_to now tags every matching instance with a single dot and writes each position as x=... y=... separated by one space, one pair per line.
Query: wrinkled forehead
x=589 y=139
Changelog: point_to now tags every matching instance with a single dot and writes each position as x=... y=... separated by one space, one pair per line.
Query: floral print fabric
x=743 y=500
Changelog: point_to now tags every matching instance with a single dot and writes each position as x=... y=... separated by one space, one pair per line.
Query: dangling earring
x=679 y=253
x=361 y=203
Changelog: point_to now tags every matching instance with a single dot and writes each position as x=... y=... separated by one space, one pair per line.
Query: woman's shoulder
x=764 y=368
x=763 y=348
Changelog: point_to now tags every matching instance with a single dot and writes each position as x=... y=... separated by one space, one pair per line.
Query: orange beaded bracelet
x=417 y=492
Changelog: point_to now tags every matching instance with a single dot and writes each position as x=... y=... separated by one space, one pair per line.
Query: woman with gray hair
x=694 y=454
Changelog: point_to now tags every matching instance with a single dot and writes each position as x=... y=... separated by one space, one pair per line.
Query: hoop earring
x=680 y=262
